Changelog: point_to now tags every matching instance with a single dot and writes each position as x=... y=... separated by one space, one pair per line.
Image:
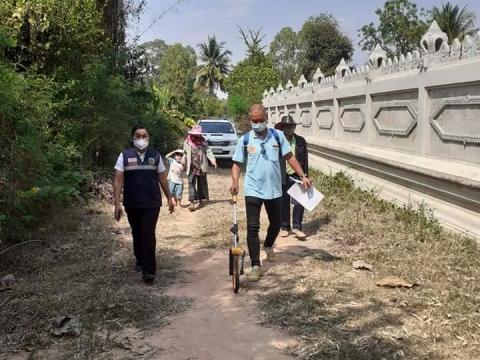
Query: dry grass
x=80 y=269
x=336 y=312
x=339 y=313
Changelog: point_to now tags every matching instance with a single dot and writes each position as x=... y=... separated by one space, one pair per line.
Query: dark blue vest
x=141 y=188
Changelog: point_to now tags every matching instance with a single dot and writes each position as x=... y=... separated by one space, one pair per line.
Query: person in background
x=139 y=171
x=299 y=149
x=197 y=154
x=262 y=150
x=176 y=175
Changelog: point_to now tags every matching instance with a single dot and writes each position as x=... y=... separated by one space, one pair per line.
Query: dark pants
x=197 y=187
x=143 y=222
x=298 y=209
x=254 y=205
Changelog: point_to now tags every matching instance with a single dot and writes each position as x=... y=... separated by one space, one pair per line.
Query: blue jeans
x=298 y=209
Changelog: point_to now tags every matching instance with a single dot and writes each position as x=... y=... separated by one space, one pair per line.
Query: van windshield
x=217 y=127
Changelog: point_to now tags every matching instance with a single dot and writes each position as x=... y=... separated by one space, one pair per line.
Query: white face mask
x=259 y=127
x=140 y=144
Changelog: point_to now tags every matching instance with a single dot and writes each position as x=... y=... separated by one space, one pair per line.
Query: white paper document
x=309 y=198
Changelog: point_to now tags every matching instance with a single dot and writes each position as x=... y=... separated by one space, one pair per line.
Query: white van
x=221 y=136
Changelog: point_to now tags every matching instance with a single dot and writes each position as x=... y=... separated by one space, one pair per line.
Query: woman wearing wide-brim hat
x=299 y=149
x=197 y=155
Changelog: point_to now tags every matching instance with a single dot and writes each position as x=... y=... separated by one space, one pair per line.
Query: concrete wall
x=419 y=112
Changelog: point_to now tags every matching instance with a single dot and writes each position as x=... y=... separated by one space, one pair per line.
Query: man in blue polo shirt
x=262 y=149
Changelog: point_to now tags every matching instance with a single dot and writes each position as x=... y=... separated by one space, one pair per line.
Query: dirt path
x=220 y=324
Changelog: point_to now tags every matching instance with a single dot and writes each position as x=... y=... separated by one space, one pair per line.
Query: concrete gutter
x=450 y=189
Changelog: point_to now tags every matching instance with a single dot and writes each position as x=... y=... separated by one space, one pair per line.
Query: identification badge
x=132 y=160
x=251 y=149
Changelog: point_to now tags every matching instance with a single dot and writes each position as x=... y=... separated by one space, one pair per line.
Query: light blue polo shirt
x=263 y=178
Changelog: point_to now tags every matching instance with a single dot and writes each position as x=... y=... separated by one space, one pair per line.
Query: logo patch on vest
x=132 y=161
x=151 y=161
x=251 y=149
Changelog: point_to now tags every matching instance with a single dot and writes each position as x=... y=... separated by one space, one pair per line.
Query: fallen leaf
x=7 y=282
x=394 y=282
x=362 y=265
x=66 y=325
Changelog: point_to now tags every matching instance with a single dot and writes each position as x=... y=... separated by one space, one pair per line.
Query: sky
x=194 y=20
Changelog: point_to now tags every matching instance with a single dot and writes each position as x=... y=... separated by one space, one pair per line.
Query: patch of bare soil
x=220 y=324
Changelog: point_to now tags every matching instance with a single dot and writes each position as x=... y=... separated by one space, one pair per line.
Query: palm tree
x=215 y=65
x=455 y=21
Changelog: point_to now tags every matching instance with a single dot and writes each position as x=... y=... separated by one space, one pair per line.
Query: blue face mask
x=259 y=127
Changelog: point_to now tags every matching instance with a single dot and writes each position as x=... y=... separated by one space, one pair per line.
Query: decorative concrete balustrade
x=418 y=112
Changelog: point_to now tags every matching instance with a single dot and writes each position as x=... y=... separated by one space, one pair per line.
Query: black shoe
x=148 y=278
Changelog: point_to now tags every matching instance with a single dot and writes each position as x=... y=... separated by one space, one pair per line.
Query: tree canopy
x=401 y=26
x=176 y=73
x=215 y=65
x=253 y=41
x=71 y=91
x=153 y=51
x=322 y=44
x=284 y=54
x=249 y=79
x=455 y=21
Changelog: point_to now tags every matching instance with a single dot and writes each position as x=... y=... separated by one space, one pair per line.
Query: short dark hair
x=138 y=127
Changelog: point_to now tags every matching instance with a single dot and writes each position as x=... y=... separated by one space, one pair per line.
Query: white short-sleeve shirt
x=121 y=167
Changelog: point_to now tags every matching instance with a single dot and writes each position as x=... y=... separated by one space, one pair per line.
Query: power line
x=155 y=20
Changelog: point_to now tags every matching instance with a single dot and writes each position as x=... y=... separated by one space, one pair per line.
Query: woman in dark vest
x=139 y=170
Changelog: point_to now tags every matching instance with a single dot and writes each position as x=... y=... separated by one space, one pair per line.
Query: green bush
x=68 y=101
x=237 y=106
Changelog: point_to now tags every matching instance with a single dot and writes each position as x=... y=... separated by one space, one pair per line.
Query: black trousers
x=254 y=206
x=298 y=210
x=197 y=187
x=143 y=222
